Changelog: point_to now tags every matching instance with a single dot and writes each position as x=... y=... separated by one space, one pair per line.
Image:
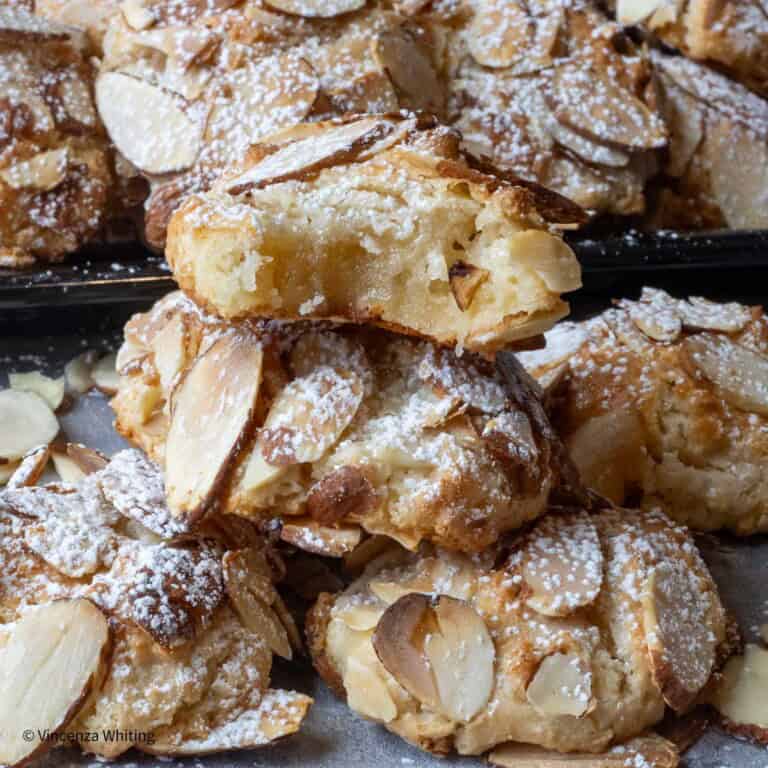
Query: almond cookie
x=335 y=431
x=54 y=165
x=574 y=638
x=716 y=172
x=380 y=220
x=115 y=615
x=664 y=402
x=210 y=79
x=731 y=34
x=552 y=91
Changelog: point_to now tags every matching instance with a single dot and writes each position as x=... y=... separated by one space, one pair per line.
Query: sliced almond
x=315 y=349
x=360 y=617
x=681 y=645
x=258 y=472
x=441 y=652
x=739 y=375
x=631 y=12
x=367 y=692
x=105 y=375
x=212 y=410
x=169 y=348
x=7 y=471
x=75 y=95
x=501 y=33
x=406 y=59
x=698 y=314
x=53 y=660
x=509 y=436
x=309 y=416
x=279 y=714
x=299 y=159
x=77 y=373
x=659 y=321
x=316 y=9
x=562 y=685
x=260 y=98
x=137 y=15
x=582 y=147
x=51 y=390
x=26 y=421
x=40 y=173
x=685 y=118
x=18 y=24
x=319 y=539
x=87 y=459
x=66 y=468
x=650 y=751
x=147 y=124
x=246 y=577
x=344 y=493
x=563 y=565
x=591 y=103
x=465 y=279
x=741 y=695
x=30 y=469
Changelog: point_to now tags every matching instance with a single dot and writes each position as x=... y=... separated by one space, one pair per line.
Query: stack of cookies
x=328 y=374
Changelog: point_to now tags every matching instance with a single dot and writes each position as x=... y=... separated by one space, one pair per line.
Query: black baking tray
x=129 y=273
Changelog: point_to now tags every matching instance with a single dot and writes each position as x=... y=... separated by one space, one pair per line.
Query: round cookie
x=55 y=176
x=662 y=402
x=430 y=242
x=192 y=625
x=554 y=92
x=716 y=171
x=212 y=79
x=335 y=430
x=574 y=638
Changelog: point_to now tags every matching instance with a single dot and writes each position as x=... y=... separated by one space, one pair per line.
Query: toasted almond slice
x=590 y=103
x=685 y=120
x=318 y=348
x=584 y=148
x=562 y=685
x=407 y=61
x=31 y=467
x=391 y=591
x=698 y=314
x=137 y=15
x=310 y=536
x=659 y=321
x=105 y=375
x=16 y=23
x=262 y=97
x=210 y=414
x=279 y=714
x=360 y=617
x=650 y=751
x=309 y=416
x=368 y=550
x=88 y=459
x=399 y=644
x=54 y=658
x=739 y=375
x=77 y=372
x=249 y=586
x=258 y=472
x=465 y=279
x=66 y=468
x=563 y=565
x=367 y=692
x=509 y=436
x=51 y=390
x=440 y=652
x=681 y=646
x=316 y=9
x=75 y=94
x=147 y=124
x=301 y=158
x=634 y=11
x=741 y=695
x=344 y=493
x=501 y=33
x=26 y=421
x=169 y=349
x=40 y=173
